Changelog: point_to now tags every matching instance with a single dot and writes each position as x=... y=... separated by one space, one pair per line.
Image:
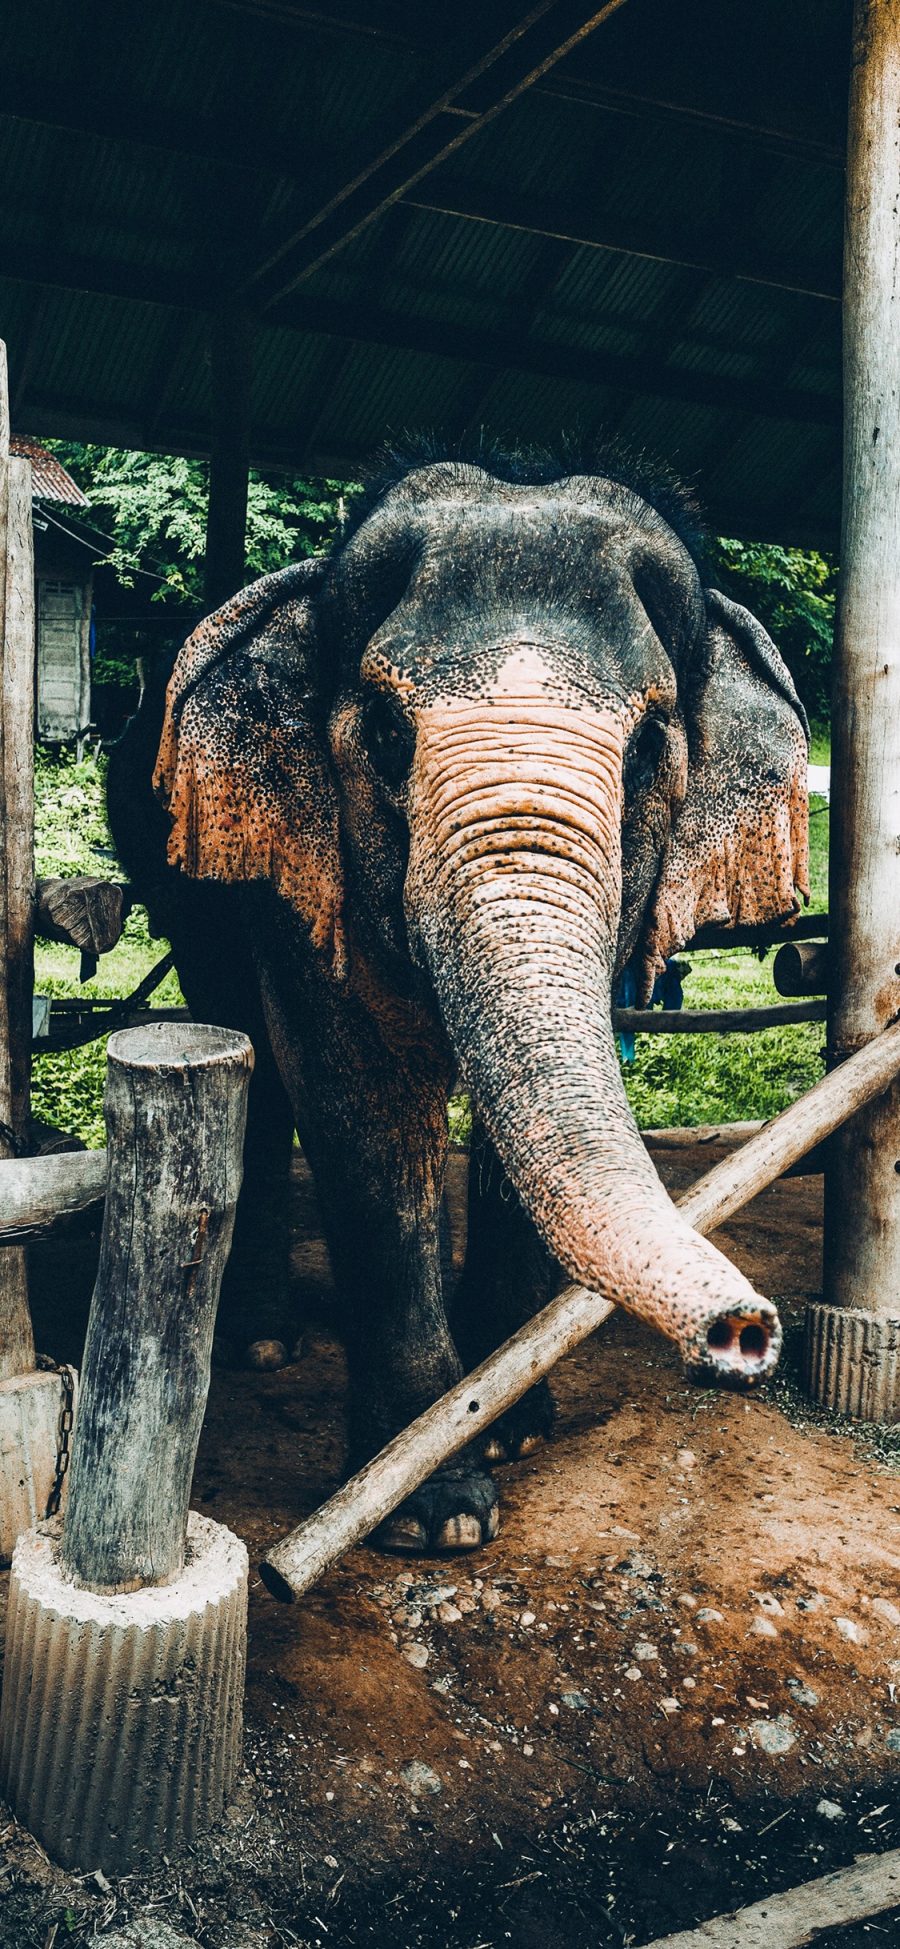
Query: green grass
x=676 y=1079
x=820 y=743
x=72 y=836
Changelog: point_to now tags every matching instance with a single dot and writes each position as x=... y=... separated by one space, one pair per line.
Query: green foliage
x=153 y=507
x=793 y=594
x=71 y=833
x=72 y=836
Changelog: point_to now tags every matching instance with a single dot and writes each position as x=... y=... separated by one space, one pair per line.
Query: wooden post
x=176 y=1106
x=16 y=858
x=862 y=1198
x=231 y=378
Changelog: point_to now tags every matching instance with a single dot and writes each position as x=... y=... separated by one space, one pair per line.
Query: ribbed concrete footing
x=29 y=1420
x=121 y=1716
x=852 y=1361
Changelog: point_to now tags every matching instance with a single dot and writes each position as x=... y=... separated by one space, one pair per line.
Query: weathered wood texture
x=37 y=1194
x=715 y=1021
x=231 y=374
x=18 y=768
x=862 y=1242
x=801 y=968
x=83 y=912
x=470 y=1407
x=798 y=1915
x=176 y=1105
x=804 y=927
x=16 y=857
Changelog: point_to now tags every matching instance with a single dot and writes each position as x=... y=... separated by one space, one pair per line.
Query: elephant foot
x=456 y=1509
x=523 y=1427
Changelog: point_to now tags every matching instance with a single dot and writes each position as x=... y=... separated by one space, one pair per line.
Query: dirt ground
x=670 y=1686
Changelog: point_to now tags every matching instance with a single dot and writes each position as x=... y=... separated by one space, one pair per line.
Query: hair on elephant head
x=500 y=743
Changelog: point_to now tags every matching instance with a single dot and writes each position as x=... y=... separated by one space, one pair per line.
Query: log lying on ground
x=796 y=1916
x=83 y=912
x=470 y=1407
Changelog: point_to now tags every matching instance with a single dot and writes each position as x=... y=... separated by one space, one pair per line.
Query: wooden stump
x=176 y=1106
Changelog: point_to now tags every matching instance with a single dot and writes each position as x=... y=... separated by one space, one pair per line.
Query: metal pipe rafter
x=372 y=191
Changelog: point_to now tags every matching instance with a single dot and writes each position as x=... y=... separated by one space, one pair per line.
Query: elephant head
x=504 y=741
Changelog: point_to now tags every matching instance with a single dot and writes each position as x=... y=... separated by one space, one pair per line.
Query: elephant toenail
x=459 y=1533
x=401 y=1533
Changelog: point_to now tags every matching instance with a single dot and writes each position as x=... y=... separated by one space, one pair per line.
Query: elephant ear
x=738 y=850
x=243 y=767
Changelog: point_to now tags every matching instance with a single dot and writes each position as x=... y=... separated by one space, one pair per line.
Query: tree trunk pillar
x=30 y=1402
x=120 y=1722
x=853 y=1340
x=231 y=379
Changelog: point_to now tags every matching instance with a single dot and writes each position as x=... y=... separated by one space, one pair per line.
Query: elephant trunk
x=513 y=896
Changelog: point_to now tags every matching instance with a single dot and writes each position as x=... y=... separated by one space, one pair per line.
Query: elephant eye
x=645 y=754
x=389 y=740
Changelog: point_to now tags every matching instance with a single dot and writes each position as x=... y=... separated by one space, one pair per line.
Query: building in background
x=64 y=580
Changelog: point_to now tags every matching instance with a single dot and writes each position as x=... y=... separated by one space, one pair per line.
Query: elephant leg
x=507 y=1277
x=369 y=1091
x=384 y=1243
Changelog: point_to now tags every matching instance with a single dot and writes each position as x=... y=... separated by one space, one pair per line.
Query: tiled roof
x=49 y=479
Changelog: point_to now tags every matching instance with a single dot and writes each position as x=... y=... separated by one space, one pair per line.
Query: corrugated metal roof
x=648 y=237
x=50 y=480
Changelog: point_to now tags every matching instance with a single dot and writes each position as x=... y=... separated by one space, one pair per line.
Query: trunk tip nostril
x=747 y=1337
x=739 y=1349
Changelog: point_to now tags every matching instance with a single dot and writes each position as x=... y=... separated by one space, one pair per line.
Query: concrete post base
x=852 y=1361
x=121 y=1716
x=29 y=1420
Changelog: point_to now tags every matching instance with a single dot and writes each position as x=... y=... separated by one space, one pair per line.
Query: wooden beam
x=797 y=1916
x=862 y=1248
x=717 y=250
x=17 y=1355
x=500 y=351
x=792 y=133
x=543 y=37
x=231 y=378
x=515 y=350
x=802 y=968
x=804 y=927
x=715 y=1021
x=38 y=1194
x=470 y=1407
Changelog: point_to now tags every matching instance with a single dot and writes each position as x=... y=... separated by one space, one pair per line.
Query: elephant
x=406 y=812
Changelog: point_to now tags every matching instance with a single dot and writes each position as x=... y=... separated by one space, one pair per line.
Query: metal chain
x=63 y=1427
x=13 y=1140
